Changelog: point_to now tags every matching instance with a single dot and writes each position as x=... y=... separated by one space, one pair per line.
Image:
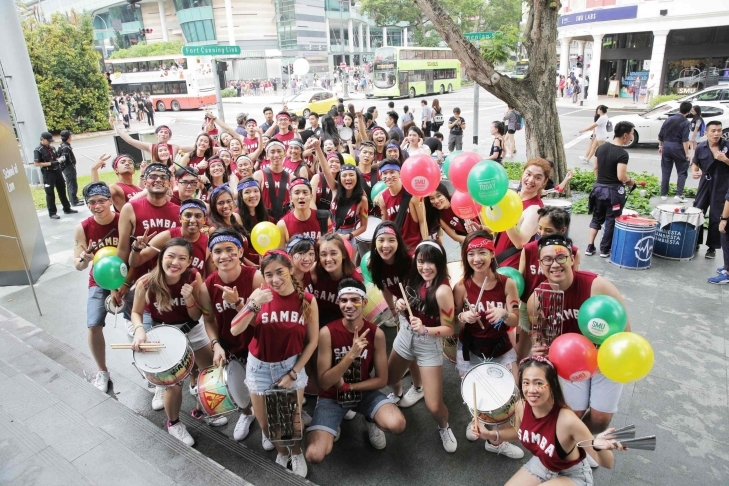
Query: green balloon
x=488 y=182
x=110 y=272
x=600 y=317
x=515 y=275
x=377 y=189
x=448 y=160
x=363 y=267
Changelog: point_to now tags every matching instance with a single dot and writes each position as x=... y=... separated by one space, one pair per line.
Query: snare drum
x=171 y=364
x=496 y=393
x=450 y=349
x=222 y=390
x=364 y=240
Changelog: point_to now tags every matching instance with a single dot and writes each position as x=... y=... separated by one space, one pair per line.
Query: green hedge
x=662 y=99
x=145 y=50
x=229 y=93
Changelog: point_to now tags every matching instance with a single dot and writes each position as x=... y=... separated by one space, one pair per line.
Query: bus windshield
x=385 y=67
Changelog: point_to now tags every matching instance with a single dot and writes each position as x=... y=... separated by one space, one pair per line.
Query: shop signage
x=211 y=50
x=601 y=15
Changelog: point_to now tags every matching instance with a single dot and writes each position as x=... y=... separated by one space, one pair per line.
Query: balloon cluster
x=109 y=270
x=622 y=356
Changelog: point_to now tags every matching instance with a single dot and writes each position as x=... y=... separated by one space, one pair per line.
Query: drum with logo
x=678 y=231
x=376 y=310
x=364 y=239
x=496 y=393
x=171 y=364
x=633 y=241
x=222 y=390
x=560 y=203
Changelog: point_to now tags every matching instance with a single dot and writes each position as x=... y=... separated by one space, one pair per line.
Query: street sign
x=343 y=65
x=479 y=36
x=211 y=50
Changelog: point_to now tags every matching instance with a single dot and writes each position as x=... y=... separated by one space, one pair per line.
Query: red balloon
x=348 y=245
x=464 y=206
x=420 y=175
x=573 y=356
x=460 y=167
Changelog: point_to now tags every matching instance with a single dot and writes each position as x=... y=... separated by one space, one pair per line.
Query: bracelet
x=194 y=304
x=497 y=435
x=426 y=332
x=127 y=284
x=135 y=249
x=134 y=331
x=253 y=306
x=213 y=343
x=296 y=375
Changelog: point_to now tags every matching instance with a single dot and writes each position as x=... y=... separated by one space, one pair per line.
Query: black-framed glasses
x=548 y=260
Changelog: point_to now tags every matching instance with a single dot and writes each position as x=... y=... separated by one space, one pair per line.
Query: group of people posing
x=294 y=315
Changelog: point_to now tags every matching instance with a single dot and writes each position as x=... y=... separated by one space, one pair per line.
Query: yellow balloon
x=625 y=357
x=265 y=236
x=104 y=251
x=504 y=214
x=348 y=159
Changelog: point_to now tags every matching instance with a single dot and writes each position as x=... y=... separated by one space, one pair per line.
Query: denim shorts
x=95 y=307
x=580 y=473
x=261 y=376
x=428 y=351
x=463 y=366
x=328 y=414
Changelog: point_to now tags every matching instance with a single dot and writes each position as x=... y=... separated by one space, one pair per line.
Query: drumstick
x=105 y=237
x=405 y=298
x=475 y=405
x=143 y=346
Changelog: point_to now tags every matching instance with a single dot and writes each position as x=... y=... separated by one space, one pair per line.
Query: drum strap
x=473 y=345
x=404 y=207
x=504 y=255
x=277 y=197
x=323 y=216
x=188 y=326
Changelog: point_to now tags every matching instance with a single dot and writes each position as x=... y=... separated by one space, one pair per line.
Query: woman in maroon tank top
x=252 y=211
x=302 y=250
x=198 y=158
x=323 y=190
x=439 y=214
x=169 y=294
x=548 y=429
x=333 y=264
x=510 y=242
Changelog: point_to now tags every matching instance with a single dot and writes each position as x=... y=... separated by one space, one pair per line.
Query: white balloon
x=301 y=67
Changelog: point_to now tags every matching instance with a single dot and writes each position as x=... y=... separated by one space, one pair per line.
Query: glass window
x=725 y=95
x=158 y=88
x=185 y=4
x=610 y=41
x=385 y=54
x=710 y=111
x=638 y=40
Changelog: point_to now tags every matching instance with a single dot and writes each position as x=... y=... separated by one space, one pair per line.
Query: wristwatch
x=724 y=219
x=296 y=375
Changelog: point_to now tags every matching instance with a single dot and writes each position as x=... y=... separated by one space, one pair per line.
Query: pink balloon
x=420 y=175
x=573 y=356
x=460 y=167
x=348 y=245
x=464 y=206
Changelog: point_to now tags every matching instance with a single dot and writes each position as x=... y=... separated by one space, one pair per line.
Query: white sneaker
x=267 y=444
x=411 y=397
x=377 y=436
x=243 y=426
x=663 y=198
x=469 y=433
x=179 y=432
x=102 y=381
x=506 y=448
x=305 y=418
x=216 y=421
x=130 y=328
x=350 y=415
x=583 y=158
x=395 y=399
x=592 y=462
x=193 y=389
x=282 y=461
x=679 y=199
x=298 y=465
x=158 y=401
x=448 y=439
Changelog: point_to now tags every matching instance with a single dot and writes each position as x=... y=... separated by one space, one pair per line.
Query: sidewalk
x=621 y=104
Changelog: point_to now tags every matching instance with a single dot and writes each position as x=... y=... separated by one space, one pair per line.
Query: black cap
x=47 y=136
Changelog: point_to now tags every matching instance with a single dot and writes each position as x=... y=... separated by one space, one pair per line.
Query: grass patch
x=39 y=194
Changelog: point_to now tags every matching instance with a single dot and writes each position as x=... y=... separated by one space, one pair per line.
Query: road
x=186 y=125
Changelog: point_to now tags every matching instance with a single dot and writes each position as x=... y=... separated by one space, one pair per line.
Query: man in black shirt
x=607 y=198
x=673 y=147
x=68 y=167
x=44 y=156
x=435 y=144
x=456 y=124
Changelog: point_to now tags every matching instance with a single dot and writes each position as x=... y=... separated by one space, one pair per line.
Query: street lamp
x=103 y=39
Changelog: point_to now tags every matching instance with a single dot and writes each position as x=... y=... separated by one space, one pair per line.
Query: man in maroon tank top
x=598 y=394
x=142 y=219
x=413 y=226
x=302 y=220
x=122 y=190
x=98 y=231
x=349 y=349
x=273 y=180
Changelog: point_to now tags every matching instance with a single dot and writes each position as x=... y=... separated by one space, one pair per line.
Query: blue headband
x=97 y=189
x=217 y=190
x=196 y=204
x=224 y=238
x=390 y=167
x=348 y=167
x=392 y=145
x=246 y=184
x=298 y=239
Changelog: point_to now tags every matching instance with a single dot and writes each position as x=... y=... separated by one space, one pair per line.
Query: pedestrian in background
x=149 y=110
x=406 y=117
x=437 y=116
x=241 y=121
x=456 y=124
x=636 y=89
x=698 y=127
x=510 y=119
x=68 y=167
x=45 y=157
x=673 y=147
x=426 y=118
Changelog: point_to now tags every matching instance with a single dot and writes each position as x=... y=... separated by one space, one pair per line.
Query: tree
x=73 y=92
x=533 y=96
x=144 y=50
x=500 y=48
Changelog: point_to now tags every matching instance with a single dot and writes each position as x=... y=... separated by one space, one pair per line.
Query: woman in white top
x=599 y=134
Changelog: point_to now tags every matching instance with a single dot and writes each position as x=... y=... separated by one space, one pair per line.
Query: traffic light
x=579 y=61
x=286 y=69
x=143 y=33
x=222 y=66
x=291 y=69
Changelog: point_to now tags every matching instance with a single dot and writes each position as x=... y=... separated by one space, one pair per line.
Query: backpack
x=438 y=118
x=702 y=129
x=519 y=121
x=609 y=126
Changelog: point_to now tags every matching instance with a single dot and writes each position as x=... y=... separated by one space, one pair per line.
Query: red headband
x=481 y=242
x=278 y=252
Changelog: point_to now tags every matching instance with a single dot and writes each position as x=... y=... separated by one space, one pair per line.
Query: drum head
x=561 y=203
x=156 y=361
x=345 y=133
x=235 y=376
x=369 y=233
x=494 y=386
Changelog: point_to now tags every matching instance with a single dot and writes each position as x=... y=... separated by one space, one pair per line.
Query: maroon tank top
x=342 y=343
x=224 y=312
x=491 y=342
x=419 y=309
x=539 y=436
x=325 y=290
x=292 y=167
x=574 y=297
x=503 y=242
x=285 y=139
x=199 y=249
x=351 y=219
x=156 y=218
x=178 y=314
x=533 y=274
x=95 y=235
x=323 y=194
x=129 y=191
x=391 y=280
x=309 y=227
x=280 y=330
x=410 y=230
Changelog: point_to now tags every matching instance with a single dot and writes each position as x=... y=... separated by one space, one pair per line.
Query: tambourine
x=111 y=306
x=345 y=133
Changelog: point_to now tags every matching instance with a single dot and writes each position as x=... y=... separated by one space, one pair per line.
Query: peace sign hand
x=87 y=255
x=359 y=343
x=142 y=242
x=230 y=295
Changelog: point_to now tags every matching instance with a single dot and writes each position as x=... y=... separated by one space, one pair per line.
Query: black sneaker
x=710 y=254
x=54 y=216
x=604 y=255
x=590 y=250
x=70 y=211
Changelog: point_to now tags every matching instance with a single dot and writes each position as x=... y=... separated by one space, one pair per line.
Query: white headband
x=429 y=243
x=352 y=290
x=275 y=143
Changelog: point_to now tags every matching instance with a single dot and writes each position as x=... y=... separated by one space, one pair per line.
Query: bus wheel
x=161 y=106
x=450 y=88
x=442 y=89
x=412 y=92
x=175 y=105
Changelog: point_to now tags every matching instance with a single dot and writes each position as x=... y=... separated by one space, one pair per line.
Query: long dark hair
x=550 y=374
x=436 y=256
x=209 y=151
x=212 y=160
x=432 y=214
x=329 y=130
x=348 y=267
x=157 y=283
x=403 y=261
x=344 y=203
x=216 y=219
x=261 y=212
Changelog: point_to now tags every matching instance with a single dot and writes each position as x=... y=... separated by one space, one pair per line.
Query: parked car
x=718 y=93
x=305 y=90
x=648 y=124
x=307 y=102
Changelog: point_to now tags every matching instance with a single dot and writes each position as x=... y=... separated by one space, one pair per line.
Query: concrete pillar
x=367 y=34
x=329 y=39
x=162 y=19
x=657 y=56
x=384 y=37
x=405 y=37
x=350 y=34
x=361 y=39
x=595 y=67
x=580 y=54
x=564 y=55
x=229 y=21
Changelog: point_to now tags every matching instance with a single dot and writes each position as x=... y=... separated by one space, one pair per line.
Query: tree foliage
x=73 y=91
x=499 y=49
x=144 y=50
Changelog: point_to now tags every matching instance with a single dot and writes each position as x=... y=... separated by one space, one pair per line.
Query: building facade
x=679 y=46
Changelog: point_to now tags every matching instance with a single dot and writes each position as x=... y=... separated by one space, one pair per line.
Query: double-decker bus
x=412 y=71
x=174 y=82
x=521 y=68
